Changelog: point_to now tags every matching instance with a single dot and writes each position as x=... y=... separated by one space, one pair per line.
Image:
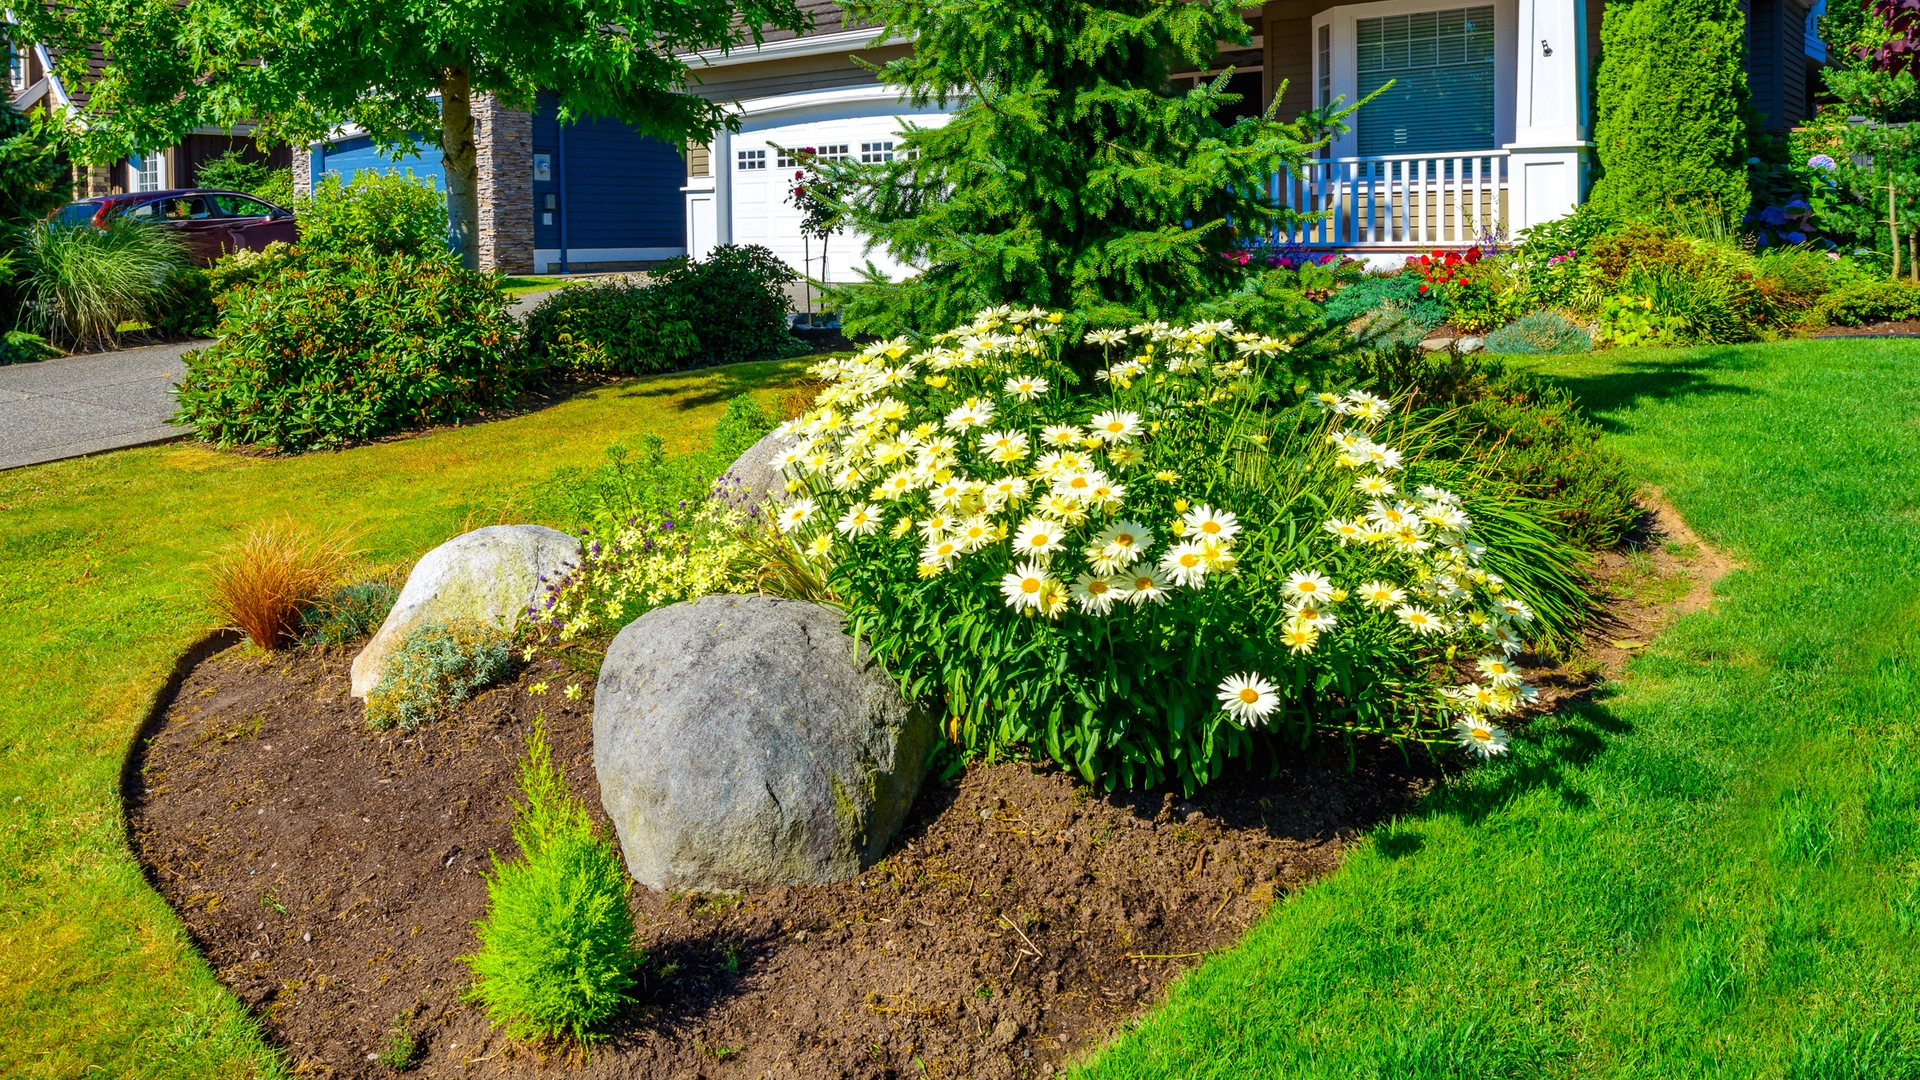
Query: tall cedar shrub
x=557 y=953
x=1070 y=177
x=1671 y=123
x=341 y=348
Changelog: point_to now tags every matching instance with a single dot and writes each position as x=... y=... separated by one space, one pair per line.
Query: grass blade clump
x=436 y=668
x=556 y=952
x=262 y=584
x=81 y=283
x=349 y=613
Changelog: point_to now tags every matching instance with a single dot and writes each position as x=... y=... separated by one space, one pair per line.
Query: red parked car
x=214 y=222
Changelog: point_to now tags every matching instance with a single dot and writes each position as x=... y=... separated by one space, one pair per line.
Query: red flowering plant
x=1479 y=292
x=1443 y=267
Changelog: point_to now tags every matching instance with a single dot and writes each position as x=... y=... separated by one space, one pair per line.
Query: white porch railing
x=1396 y=200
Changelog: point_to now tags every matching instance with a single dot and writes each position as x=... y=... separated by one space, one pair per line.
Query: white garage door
x=763 y=212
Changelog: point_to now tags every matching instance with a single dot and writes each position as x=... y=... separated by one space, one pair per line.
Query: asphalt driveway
x=78 y=405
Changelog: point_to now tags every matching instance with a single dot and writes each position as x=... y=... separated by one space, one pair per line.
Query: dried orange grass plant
x=261 y=584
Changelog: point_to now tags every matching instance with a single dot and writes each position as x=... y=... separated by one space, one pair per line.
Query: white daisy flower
x=1005 y=447
x=950 y=495
x=861 y=519
x=1104 y=338
x=1207 y=523
x=1312 y=614
x=1143 y=583
x=1248 y=698
x=1408 y=540
x=1185 y=564
x=1039 y=537
x=940 y=552
x=1124 y=541
x=1023 y=587
x=1308 y=585
x=1299 y=637
x=975 y=533
x=1480 y=736
x=1125 y=456
x=973 y=413
x=1026 y=387
x=1078 y=485
x=1327 y=401
x=1062 y=435
x=1515 y=609
x=796 y=514
x=1375 y=485
x=1384 y=458
x=1347 y=531
x=820 y=546
x=1366 y=407
x=1114 y=427
x=1095 y=593
x=1419 y=620
x=935 y=526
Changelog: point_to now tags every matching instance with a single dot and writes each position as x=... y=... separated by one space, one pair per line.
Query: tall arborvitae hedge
x=1071 y=175
x=1671 y=123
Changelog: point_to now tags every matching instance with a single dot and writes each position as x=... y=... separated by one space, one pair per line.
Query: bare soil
x=332 y=875
x=1906 y=328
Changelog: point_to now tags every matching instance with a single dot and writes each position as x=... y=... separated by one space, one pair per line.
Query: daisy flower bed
x=1145 y=571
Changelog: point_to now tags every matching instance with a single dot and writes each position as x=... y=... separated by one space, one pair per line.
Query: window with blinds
x=1441 y=67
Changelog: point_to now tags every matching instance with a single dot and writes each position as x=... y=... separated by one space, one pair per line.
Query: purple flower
x=1822 y=161
x=1796 y=238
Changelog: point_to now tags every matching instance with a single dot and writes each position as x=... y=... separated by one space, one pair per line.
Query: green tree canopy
x=402 y=71
x=1072 y=176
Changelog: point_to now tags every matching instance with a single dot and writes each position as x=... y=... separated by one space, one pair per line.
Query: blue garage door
x=351 y=155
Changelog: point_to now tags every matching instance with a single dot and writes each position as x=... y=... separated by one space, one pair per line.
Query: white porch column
x=1550 y=147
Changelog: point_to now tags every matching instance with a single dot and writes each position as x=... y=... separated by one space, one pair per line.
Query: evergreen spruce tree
x=1673 y=111
x=1071 y=176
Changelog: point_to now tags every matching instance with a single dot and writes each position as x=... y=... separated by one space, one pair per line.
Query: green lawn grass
x=535 y=283
x=1713 y=870
x=101 y=579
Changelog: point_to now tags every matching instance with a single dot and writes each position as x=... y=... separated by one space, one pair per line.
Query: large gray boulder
x=489 y=575
x=746 y=740
x=755 y=476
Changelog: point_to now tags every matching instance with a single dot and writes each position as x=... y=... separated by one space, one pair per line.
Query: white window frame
x=1345 y=74
x=750 y=160
x=142 y=178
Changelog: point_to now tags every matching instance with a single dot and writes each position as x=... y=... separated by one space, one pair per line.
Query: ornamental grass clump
x=437 y=667
x=557 y=951
x=1145 y=574
x=265 y=583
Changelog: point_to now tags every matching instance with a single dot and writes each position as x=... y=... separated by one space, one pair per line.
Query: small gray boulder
x=746 y=740
x=489 y=575
x=755 y=476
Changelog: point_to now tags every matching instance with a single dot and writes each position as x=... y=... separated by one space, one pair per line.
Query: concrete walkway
x=78 y=405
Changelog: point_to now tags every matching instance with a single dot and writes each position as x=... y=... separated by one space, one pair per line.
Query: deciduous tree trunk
x=462 y=161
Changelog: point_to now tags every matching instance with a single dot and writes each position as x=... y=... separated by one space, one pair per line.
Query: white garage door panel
x=763 y=214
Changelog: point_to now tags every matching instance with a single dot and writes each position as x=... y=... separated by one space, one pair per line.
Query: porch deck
x=1396 y=202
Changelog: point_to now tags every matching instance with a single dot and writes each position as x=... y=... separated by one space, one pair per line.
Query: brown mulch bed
x=332 y=875
x=1908 y=328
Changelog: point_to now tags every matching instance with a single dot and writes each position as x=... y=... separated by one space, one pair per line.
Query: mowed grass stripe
x=101 y=587
x=1714 y=869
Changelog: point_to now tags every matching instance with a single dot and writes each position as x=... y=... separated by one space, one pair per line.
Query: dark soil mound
x=332 y=876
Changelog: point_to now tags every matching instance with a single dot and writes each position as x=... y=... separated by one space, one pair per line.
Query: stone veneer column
x=302 y=170
x=504 y=138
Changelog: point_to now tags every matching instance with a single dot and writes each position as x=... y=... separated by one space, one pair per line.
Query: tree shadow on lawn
x=727 y=382
x=1666 y=376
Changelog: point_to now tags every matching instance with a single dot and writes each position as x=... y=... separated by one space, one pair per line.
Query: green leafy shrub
x=20 y=347
x=612 y=328
x=81 y=283
x=1485 y=295
x=184 y=307
x=1526 y=434
x=1086 y=569
x=377 y=213
x=1789 y=282
x=1869 y=302
x=1695 y=290
x=1543 y=333
x=557 y=951
x=728 y=308
x=350 y=613
x=1671 y=109
x=436 y=668
x=1637 y=320
x=336 y=349
x=249 y=267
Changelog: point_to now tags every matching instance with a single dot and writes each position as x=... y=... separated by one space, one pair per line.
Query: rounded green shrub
x=437 y=667
x=335 y=349
x=351 y=613
x=1870 y=302
x=377 y=213
x=1543 y=333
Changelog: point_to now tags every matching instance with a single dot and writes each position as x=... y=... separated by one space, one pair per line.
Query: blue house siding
x=351 y=155
x=617 y=189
